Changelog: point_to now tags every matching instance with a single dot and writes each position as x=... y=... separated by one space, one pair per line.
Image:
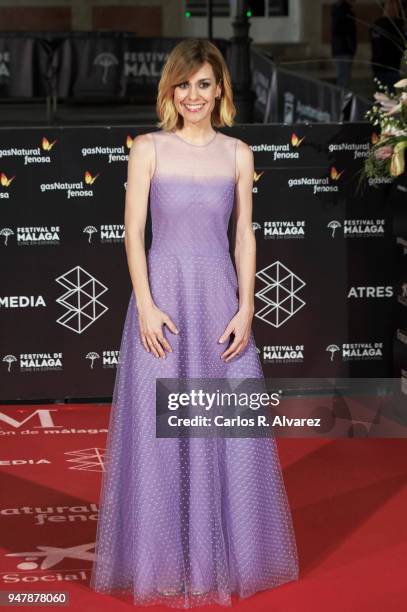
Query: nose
x=193 y=95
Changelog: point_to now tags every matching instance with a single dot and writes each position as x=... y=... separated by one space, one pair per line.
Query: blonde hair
x=185 y=59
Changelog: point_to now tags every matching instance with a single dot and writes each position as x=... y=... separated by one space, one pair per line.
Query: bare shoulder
x=142 y=151
x=143 y=143
x=243 y=149
x=244 y=159
x=241 y=146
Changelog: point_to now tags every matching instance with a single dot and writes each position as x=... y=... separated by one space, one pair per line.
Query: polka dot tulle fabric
x=186 y=522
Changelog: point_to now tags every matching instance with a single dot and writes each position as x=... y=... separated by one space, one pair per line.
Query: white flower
x=393 y=131
x=389 y=105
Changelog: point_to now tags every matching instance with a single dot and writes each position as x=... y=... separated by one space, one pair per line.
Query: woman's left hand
x=240 y=326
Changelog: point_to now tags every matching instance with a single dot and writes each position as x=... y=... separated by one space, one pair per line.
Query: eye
x=203 y=85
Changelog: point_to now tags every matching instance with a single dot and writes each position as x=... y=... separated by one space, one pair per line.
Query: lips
x=194 y=108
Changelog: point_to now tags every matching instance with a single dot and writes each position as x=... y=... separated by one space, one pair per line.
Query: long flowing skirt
x=185 y=522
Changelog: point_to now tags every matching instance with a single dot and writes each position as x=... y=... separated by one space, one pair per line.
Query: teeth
x=193 y=106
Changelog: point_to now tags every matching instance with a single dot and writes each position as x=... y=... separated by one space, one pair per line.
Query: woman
x=188 y=521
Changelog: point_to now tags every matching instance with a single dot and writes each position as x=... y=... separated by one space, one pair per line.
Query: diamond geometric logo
x=279 y=294
x=88 y=459
x=81 y=299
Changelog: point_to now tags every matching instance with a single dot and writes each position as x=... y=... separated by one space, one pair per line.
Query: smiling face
x=196 y=98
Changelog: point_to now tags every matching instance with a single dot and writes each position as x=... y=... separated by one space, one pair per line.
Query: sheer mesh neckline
x=193 y=144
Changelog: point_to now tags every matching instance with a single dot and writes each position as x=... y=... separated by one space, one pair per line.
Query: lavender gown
x=206 y=517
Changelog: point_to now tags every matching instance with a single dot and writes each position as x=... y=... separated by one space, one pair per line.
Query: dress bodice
x=192 y=194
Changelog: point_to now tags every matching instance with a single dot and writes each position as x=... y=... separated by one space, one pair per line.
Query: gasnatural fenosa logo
x=113 y=154
x=35 y=155
x=5 y=182
x=286 y=150
x=323 y=184
x=80 y=189
x=359 y=150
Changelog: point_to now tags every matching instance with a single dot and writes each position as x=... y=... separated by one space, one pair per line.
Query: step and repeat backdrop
x=120 y=66
x=327 y=288
x=287 y=96
x=84 y=64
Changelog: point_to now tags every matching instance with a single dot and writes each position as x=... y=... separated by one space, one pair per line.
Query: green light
x=187 y=14
x=248 y=13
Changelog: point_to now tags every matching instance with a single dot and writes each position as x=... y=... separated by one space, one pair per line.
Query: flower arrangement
x=386 y=156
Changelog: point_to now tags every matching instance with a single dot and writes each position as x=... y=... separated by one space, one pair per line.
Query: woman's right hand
x=151 y=320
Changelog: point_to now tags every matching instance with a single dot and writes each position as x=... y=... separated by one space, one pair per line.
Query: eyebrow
x=199 y=80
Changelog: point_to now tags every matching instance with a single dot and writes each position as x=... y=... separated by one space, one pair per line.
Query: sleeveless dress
x=185 y=522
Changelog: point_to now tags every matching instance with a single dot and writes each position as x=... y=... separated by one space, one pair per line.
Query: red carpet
x=348 y=497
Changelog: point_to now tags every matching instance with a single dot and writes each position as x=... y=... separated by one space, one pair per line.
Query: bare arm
x=244 y=253
x=245 y=241
x=151 y=318
x=140 y=167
